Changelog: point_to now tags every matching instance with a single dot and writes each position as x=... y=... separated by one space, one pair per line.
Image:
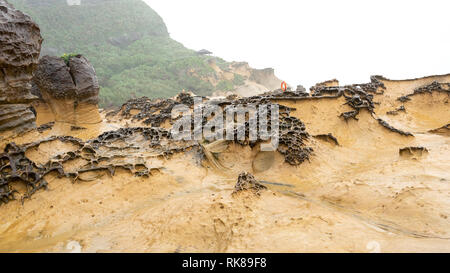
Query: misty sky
x=311 y=41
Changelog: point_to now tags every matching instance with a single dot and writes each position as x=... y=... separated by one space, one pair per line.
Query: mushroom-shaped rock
x=20 y=46
x=70 y=89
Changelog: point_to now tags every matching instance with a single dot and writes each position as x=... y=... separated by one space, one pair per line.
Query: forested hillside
x=129 y=46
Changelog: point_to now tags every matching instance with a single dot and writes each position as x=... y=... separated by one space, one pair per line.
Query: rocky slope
x=254 y=81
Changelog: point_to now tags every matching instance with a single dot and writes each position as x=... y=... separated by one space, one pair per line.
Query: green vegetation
x=238 y=80
x=225 y=85
x=66 y=57
x=128 y=44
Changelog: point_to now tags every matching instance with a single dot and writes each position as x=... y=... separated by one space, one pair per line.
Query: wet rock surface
x=20 y=45
x=68 y=88
x=53 y=79
x=16 y=118
x=85 y=80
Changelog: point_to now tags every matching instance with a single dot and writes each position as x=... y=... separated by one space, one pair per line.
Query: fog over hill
x=313 y=41
x=129 y=45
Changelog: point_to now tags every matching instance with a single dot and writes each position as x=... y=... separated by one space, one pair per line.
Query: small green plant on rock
x=66 y=57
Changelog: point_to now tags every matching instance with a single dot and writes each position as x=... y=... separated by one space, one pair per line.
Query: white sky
x=312 y=41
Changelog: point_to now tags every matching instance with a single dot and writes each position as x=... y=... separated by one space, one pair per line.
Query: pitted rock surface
x=246 y=181
x=153 y=112
x=57 y=80
x=430 y=88
x=20 y=46
x=67 y=88
x=125 y=148
x=292 y=130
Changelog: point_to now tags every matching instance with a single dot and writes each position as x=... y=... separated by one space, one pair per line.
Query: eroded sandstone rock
x=20 y=46
x=69 y=89
x=246 y=181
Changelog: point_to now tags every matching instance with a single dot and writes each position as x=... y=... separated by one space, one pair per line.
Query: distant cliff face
x=129 y=45
x=246 y=81
x=20 y=45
